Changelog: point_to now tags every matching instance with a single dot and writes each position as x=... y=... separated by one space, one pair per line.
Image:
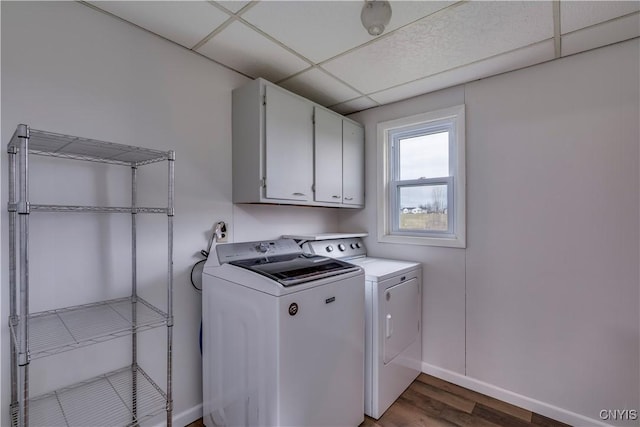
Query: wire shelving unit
x=124 y=397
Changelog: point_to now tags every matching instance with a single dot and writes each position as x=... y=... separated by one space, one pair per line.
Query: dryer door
x=400 y=317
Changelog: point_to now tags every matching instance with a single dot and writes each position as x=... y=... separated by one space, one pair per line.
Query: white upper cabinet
x=328 y=156
x=289 y=147
x=289 y=150
x=352 y=164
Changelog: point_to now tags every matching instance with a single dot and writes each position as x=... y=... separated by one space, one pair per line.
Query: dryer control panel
x=336 y=248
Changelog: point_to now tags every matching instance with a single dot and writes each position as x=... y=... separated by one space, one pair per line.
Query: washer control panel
x=336 y=248
x=251 y=250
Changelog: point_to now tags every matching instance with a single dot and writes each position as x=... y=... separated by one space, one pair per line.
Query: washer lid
x=290 y=270
x=378 y=269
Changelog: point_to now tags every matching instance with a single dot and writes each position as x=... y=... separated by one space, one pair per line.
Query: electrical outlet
x=221 y=232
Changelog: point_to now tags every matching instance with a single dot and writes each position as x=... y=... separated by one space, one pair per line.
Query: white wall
x=543 y=303
x=542 y=308
x=70 y=69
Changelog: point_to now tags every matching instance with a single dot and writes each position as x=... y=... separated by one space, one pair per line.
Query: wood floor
x=430 y=401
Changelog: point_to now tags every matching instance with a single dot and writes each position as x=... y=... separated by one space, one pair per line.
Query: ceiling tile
x=247 y=51
x=185 y=23
x=456 y=36
x=319 y=30
x=320 y=87
x=601 y=35
x=513 y=60
x=354 y=105
x=580 y=14
x=233 y=5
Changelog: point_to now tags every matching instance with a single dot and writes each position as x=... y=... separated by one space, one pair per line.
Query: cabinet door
x=328 y=156
x=288 y=146
x=352 y=164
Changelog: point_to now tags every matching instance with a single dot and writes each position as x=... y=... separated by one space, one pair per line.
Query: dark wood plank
x=404 y=414
x=449 y=399
x=369 y=422
x=463 y=419
x=473 y=396
x=422 y=402
x=498 y=417
x=542 y=421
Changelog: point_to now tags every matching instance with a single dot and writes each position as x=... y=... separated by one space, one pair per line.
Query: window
x=422 y=190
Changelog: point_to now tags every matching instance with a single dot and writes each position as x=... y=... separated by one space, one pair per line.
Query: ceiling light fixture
x=375 y=15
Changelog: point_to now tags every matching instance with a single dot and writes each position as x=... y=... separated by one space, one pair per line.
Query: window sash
x=422 y=129
x=395 y=183
x=394 y=198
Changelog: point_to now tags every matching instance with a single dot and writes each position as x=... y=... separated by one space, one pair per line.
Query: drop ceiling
x=320 y=50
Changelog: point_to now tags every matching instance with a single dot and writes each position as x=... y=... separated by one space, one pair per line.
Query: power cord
x=219 y=232
x=202 y=252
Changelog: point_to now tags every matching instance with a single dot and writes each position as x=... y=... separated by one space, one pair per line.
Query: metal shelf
x=13 y=207
x=57 y=331
x=106 y=400
x=96 y=209
x=125 y=397
x=73 y=147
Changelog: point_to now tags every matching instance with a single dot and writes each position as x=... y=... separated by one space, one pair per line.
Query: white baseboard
x=525 y=402
x=188 y=416
x=185 y=417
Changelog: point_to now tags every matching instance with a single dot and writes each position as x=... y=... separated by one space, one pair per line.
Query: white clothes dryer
x=393 y=341
x=393 y=317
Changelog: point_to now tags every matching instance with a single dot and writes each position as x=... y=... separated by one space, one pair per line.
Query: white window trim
x=458 y=240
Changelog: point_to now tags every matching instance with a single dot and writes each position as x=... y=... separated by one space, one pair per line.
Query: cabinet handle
x=348 y=198
x=298 y=194
x=336 y=197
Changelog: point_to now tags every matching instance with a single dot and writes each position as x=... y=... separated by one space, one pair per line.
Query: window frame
x=389 y=133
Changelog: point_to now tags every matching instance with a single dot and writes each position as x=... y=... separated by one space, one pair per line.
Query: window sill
x=448 y=242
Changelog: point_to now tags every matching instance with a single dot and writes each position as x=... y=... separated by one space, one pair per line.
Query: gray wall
x=542 y=308
x=70 y=69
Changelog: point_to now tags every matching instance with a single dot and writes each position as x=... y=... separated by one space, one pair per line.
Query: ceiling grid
x=320 y=49
x=557 y=34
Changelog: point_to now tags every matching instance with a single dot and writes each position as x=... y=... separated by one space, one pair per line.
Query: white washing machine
x=393 y=340
x=283 y=337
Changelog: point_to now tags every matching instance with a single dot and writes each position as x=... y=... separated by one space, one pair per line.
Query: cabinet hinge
x=263 y=183
x=264 y=99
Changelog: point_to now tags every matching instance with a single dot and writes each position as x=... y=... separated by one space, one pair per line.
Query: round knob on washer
x=329 y=248
x=353 y=246
x=358 y=245
x=341 y=247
